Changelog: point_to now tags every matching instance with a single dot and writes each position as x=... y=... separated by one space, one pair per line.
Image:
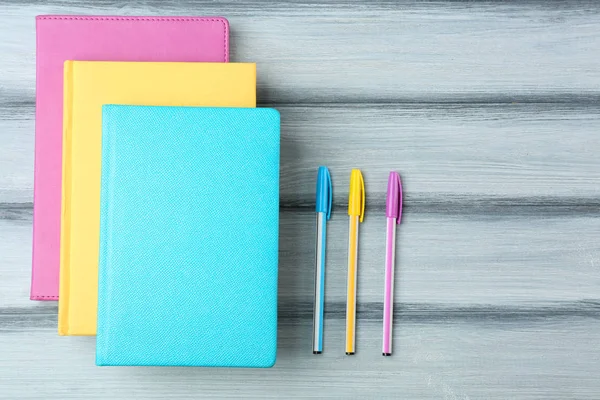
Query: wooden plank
x=464 y=259
x=514 y=153
x=381 y=51
x=490 y=150
x=550 y=359
x=450 y=259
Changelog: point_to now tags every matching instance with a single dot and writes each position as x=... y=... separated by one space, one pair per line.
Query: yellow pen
x=356 y=211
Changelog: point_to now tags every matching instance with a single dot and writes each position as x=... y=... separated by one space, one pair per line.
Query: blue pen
x=323 y=208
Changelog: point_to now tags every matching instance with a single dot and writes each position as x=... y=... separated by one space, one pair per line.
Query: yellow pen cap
x=356 y=196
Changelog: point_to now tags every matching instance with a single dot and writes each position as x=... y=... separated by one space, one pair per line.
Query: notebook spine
x=65 y=231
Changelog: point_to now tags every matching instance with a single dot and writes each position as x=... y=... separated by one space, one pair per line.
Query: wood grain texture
x=489 y=110
x=500 y=150
x=378 y=51
x=498 y=260
x=445 y=360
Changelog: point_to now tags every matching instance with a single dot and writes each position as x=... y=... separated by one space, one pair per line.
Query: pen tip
x=387 y=354
x=349 y=353
x=316 y=352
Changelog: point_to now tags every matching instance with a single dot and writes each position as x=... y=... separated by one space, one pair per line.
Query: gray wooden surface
x=490 y=113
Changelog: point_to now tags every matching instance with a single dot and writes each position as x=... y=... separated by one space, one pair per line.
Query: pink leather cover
x=95 y=38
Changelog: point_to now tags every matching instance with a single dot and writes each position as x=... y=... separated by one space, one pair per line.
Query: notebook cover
x=61 y=38
x=188 y=237
x=89 y=85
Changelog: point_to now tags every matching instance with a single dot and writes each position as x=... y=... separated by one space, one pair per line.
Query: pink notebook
x=101 y=38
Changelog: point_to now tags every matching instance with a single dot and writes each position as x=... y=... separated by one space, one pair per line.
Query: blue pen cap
x=324 y=191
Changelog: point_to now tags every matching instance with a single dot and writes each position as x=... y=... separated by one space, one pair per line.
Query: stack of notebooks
x=156 y=195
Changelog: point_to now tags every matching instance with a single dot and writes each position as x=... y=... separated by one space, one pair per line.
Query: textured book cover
x=89 y=85
x=188 y=237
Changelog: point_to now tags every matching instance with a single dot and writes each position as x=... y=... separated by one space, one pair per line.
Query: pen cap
x=356 y=195
x=393 y=201
x=324 y=192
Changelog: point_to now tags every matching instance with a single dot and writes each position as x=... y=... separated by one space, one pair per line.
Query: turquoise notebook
x=188 y=237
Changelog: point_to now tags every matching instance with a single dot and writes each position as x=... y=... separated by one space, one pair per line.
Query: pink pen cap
x=393 y=202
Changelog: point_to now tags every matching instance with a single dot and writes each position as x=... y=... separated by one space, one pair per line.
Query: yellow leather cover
x=87 y=86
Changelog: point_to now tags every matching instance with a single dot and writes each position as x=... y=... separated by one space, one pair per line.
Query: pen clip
x=330 y=194
x=362 y=184
x=399 y=199
x=356 y=195
x=393 y=199
x=324 y=196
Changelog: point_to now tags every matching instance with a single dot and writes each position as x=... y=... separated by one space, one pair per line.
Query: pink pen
x=393 y=212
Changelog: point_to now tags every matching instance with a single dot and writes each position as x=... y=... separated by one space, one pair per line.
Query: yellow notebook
x=88 y=86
